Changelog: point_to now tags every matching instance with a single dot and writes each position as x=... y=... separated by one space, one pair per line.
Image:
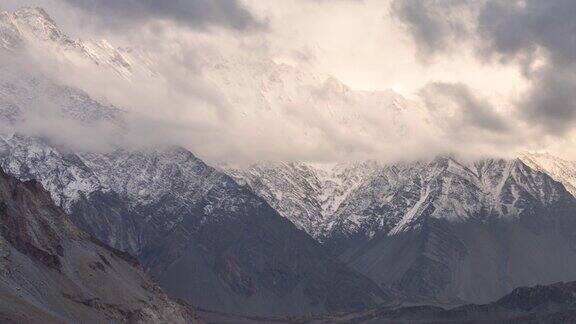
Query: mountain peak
x=37 y=21
x=34 y=12
x=34 y=27
x=561 y=170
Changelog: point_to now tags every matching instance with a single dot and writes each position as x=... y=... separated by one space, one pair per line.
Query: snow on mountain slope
x=173 y=211
x=31 y=159
x=400 y=224
x=308 y=194
x=9 y=35
x=28 y=96
x=560 y=170
x=361 y=200
x=321 y=116
x=477 y=237
x=445 y=229
x=244 y=92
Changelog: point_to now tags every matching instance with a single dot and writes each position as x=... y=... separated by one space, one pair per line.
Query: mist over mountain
x=208 y=162
x=229 y=104
x=204 y=239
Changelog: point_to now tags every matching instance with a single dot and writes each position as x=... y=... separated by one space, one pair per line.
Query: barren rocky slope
x=52 y=272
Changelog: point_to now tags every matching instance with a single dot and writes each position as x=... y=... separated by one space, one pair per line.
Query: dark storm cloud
x=539 y=36
x=513 y=28
x=192 y=13
x=470 y=110
x=433 y=27
x=551 y=102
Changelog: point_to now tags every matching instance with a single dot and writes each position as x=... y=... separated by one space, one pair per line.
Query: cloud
x=192 y=13
x=434 y=27
x=537 y=36
x=291 y=117
x=455 y=105
x=550 y=103
x=522 y=28
x=224 y=96
x=471 y=126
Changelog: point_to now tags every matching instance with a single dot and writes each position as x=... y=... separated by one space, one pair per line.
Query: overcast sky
x=507 y=68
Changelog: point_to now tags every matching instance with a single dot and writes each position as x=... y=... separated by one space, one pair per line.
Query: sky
x=493 y=76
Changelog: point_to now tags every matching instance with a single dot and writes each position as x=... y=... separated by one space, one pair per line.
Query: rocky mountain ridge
x=538 y=304
x=559 y=169
x=433 y=229
x=320 y=197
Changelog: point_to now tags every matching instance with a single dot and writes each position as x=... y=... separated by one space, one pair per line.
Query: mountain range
x=444 y=229
x=272 y=238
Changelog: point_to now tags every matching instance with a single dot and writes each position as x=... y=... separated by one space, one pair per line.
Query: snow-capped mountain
x=308 y=194
x=173 y=211
x=320 y=114
x=246 y=92
x=321 y=198
x=470 y=231
x=423 y=227
x=203 y=237
x=559 y=169
x=52 y=272
x=195 y=230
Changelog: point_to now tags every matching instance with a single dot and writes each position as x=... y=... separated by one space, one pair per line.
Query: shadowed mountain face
x=202 y=236
x=52 y=272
